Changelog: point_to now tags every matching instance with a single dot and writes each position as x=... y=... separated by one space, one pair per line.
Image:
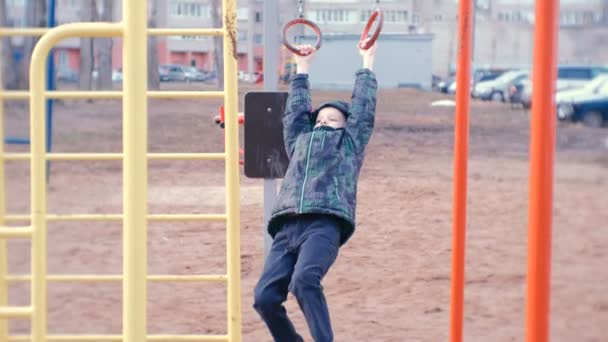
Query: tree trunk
x=104 y=49
x=8 y=65
x=153 y=76
x=35 y=16
x=218 y=51
x=88 y=13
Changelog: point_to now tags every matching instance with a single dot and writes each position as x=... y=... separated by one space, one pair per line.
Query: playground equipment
x=50 y=84
x=302 y=21
x=133 y=29
x=542 y=152
x=134 y=32
x=377 y=16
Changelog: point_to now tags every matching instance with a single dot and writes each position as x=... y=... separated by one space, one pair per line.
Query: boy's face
x=330 y=116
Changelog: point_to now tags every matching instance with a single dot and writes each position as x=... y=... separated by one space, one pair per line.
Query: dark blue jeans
x=300 y=256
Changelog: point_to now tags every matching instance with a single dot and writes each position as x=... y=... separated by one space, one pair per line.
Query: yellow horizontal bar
x=118 y=217
x=30 y=31
x=33 y=31
x=187 y=217
x=186 y=94
x=97 y=95
x=14 y=94
x=213 y=278
x=186 y=32
x=84 y=156
x=113 y=338
x=116 y=156
x=218 y=278
x=187 y=156
x=116 y=95
x=15 y=311
x=16 y=232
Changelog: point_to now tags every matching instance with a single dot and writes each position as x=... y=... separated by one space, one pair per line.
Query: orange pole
x=461 y=150
x=542 y=149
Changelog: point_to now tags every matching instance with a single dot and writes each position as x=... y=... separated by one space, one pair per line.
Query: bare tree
x=9 y=75
x=104 y=48
x=35 y=11
x=88 y=13
x=153 y=76
x=218 y=51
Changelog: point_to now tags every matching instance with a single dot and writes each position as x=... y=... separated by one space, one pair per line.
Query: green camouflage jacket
x=324 y=162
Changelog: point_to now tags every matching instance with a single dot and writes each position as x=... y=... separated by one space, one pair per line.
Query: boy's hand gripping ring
x=303 y=22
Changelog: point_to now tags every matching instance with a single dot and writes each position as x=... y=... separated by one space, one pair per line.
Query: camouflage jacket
x=324 y=162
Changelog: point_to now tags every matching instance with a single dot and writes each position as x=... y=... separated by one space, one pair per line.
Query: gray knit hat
x=339 y=105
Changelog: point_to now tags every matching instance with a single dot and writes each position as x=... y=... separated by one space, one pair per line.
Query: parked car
x=498 y=89
x=570 y=101
x=67 y=75
x=443 y=86
x=193 y=74
x=478 y=76
x=568 y=77
x=117 y=76
x=596 y=86
x=591 y=110
x=172 y=73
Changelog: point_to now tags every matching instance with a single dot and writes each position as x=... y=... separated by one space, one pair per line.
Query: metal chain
x=301 y=8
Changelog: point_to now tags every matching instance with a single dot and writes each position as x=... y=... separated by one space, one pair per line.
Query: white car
x=498 y=89
x=595 y=86
x=568 y=77
x=566 y=100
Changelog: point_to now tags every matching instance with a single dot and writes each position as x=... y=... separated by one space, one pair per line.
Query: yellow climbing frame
x=134 y=32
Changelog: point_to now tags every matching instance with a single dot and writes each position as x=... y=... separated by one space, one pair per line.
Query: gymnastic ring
x=379 y=15
x=303 y=22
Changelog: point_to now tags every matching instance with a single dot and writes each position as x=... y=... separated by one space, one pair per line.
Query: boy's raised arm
x=360 y=122
x=296 y=119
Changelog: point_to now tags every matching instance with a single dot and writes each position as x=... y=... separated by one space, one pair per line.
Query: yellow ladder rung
x=186 y=32
x=83 y=338
x=15 y=311
x=118 y=217
x=115 y=95
x=15 y=232
x=211 y=278
x=116 y=156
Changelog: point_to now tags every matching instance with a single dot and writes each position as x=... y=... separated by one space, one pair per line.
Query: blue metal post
x=50 y=85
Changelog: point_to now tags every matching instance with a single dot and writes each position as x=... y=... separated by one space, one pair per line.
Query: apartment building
x=503 y=28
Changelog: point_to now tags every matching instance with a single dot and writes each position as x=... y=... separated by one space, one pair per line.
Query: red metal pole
x=461 y=146
x=542 y=149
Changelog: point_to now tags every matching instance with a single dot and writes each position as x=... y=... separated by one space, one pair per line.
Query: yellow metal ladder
x=133 y=29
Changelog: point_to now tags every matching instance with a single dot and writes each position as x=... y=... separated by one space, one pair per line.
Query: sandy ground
x=391 y=282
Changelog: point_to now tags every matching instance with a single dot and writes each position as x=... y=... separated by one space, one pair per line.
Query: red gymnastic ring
x=303 y=22
x=379 y=15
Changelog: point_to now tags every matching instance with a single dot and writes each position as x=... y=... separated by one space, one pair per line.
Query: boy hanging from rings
x=315 y=211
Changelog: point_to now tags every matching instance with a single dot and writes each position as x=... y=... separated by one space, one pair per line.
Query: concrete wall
x=401 y=60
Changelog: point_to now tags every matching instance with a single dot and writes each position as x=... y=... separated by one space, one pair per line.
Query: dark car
x=591 y=111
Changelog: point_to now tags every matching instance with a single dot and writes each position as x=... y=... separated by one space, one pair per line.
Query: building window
x=258 y=17
x=242 y=35
x=242 y=13
x=257 y=38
